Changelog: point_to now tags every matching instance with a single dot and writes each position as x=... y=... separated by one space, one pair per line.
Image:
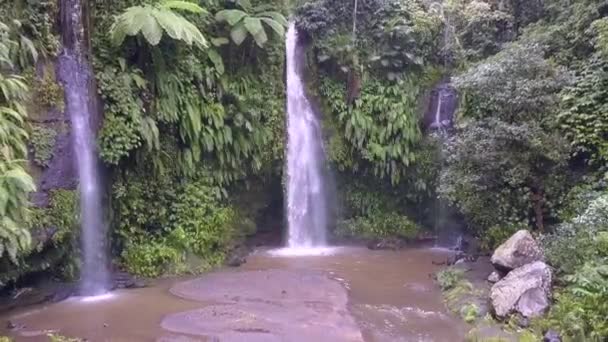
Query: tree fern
x=153 y=21
x=251 y=22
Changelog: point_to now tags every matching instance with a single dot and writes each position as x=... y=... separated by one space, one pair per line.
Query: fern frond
x=183 y=5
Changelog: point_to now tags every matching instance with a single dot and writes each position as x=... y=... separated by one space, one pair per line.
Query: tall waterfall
x=307 y=201
x=76 y=76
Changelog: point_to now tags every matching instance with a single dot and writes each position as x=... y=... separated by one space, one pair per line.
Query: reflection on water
x=391 y=294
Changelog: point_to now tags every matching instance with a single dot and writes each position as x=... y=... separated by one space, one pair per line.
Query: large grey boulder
x=525 y=290
x=520 y=249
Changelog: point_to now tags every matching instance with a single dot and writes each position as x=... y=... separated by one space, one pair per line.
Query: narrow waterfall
x=307 y=200
x=76 y=76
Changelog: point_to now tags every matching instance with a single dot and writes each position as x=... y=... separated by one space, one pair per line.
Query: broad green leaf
x=276 y=27
x=276 y=16
x=232 y=17
x=238 y=34
x=183 y=5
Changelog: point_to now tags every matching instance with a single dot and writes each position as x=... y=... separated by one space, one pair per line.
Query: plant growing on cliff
x=15 y=183
x=152 y=21
x=43 y=142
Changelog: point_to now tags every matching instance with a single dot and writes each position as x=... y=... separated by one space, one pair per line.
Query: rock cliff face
x=59 y=171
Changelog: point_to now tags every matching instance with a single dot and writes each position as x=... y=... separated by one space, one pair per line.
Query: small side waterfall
x=76 y=76
x=444 y=102
x=307 y=207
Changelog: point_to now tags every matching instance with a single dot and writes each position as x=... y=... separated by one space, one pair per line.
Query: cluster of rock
x=522 y=279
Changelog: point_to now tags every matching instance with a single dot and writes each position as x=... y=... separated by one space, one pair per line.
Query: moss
x=42 y=140
x=49 y=93
x=469 y=313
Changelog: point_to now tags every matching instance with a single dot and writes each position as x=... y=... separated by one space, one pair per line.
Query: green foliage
x=479 y=29
x=469 y=312
x=579 y=251
x=39 y=19
x=15 y=183
x=389 y=37
x=382 y=127
x=580 y=309
x=168 y=228
x=581 y=239
x=42 y=140
x=16 y=49
x=125 y=124
x=516 y=85
x=153 y=259
x=48 y=93
x=251 y=21
x=154 y=21
x=583 y=116
x=449 y=278
x=495 y=236
x=497 y=174
x=378 y=225
x=60 y=338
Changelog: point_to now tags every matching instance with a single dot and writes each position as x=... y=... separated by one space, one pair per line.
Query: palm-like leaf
x=153 y=21
x=15 y=182
x=244 y=24
x=184 y=6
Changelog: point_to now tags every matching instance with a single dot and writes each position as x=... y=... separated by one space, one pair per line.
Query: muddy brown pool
x=352 y=294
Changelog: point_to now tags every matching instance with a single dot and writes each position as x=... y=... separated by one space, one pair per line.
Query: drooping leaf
x=238 y=33
x=276 y=27
x=183 y=5
x=232 y=17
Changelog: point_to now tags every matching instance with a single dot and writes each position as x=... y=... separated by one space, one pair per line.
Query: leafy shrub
x=49 y=93
x=495 y=236
x=449 y=278
x=382 y=127
x=378 y=225
x=583 y=239
x=43 y=142
x=469 y=312
x=581 y=308
x=498 y=173
x=164 y=228
x=152 y=258
x=583 y=116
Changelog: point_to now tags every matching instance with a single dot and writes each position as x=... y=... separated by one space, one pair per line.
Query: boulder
x=552 y=336
x=519 y=250
x=525 y=290
x=494 y=277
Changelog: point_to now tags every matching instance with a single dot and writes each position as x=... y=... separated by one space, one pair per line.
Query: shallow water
x=391 y=295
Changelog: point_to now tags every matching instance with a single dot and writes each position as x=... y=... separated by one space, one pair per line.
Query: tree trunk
x=538 y=200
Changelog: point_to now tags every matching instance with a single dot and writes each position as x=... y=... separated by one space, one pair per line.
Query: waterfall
x=77 y=77
x=437 y=122
x=307 y=200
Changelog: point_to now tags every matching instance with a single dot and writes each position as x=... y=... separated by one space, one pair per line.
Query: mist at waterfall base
x=76 y=76
x=308 y=199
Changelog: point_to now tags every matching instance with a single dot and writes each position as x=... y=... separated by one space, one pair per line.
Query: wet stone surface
x=268 y=305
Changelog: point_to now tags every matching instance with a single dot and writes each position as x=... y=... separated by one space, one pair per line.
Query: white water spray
x=307 y=207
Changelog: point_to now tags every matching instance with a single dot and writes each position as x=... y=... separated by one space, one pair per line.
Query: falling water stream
x=76 y=76
x=306 y=184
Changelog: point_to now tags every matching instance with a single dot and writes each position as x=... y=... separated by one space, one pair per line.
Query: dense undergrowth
x=193 y=129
